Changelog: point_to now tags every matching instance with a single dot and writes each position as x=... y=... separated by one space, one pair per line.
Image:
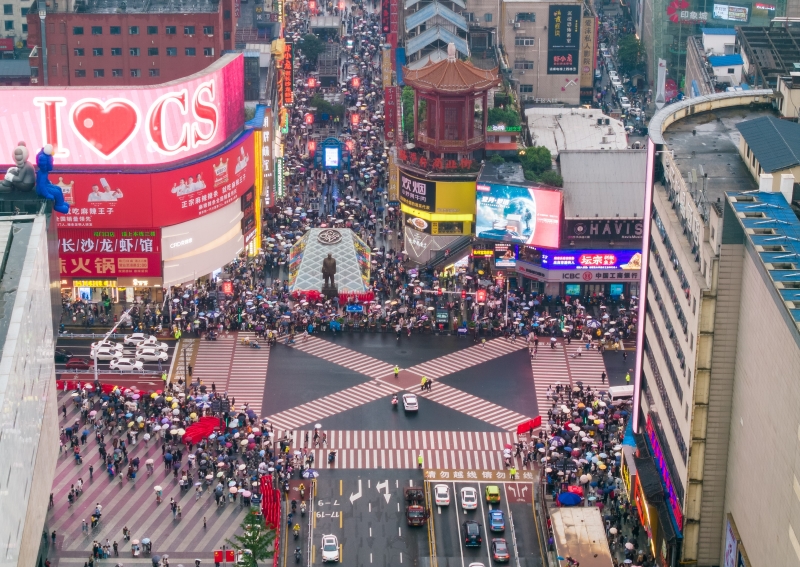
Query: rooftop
x=614 y=187
x=725 y=60
x=561 y=129
x=144 y=6
x=451 y=76
x=719 y=31
x=775 y=142
x=10 y=68
x=770 y=51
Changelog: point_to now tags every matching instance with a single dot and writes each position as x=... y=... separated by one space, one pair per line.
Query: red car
x=79 y=364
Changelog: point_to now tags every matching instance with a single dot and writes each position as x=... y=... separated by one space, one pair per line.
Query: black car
x=63 y=355
x=500 y=550
x=472 y=534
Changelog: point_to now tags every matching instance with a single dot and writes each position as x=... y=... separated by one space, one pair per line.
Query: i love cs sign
x=110 y=126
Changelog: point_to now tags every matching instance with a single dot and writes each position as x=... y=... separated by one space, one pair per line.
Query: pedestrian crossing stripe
x=399 y=439
x=474 y=406
x=342 y=356
x=467 y=358
x=462 y=459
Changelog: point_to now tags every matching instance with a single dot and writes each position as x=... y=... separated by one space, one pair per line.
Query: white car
x=441 y=494
x=616 y=84
x=105 y=353
x=624 y=102
x=153 y=342
x=410 y=402
x=330 y=548
x=469 y=498
x=125 y=364
x=613 y=76
x=136 y=338
x=107 y=344
x=150 y=354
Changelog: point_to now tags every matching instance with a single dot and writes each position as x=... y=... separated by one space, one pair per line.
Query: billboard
x=588 y=52
x=417 y=193
x=112 y=126
x=125 y=200
x=731 y=13
x=505 y=255
x=523 y=215
x=592 y=259
x=87 y=253
x=563 y=39
x=603 y=230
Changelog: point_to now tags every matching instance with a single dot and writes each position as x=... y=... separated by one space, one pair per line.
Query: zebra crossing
x=332 y=404
x=467 y=358
x=473 y=406
x=342 y=356
x=213 y=361
x=549 y=368
x=587 y=368
x=248 y=373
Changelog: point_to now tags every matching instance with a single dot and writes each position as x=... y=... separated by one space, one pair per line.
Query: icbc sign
x=136 y=126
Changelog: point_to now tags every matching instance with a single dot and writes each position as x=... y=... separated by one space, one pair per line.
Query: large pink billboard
x=112 y=126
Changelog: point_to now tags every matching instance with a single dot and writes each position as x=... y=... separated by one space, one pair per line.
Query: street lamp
x=42 y=16
x=111 y=332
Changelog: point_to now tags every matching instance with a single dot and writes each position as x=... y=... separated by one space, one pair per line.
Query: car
x=79 y=364
x=624 y=102
x=153 y=342
x=441 y=494
x=410 y=402
x=497 y=521
x=119 y=363
x=503 y=234
x=150 y=354
x=613 y=75
x=598 y=74
x=492 y=493
x=107 y=344
x=500 y=550
x=469 y=498
x=62 y=355
x=330 y=548
x=476 y=565
x=135 y=338
x=616 y=84
x=603 y=46
x=105 y=353
x=471 y=532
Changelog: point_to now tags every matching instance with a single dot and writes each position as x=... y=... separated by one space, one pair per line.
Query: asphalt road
x=80 y=348
x=520 y=531
x=365 y=510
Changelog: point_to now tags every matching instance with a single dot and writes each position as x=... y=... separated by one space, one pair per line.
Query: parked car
x=62 y=355
x=153 y=342
x=125 y=364
x=624 y=102
x=135 y=338
x=441 y=494
x=105 y=353
x=109 y=344
x=79 y=364
x=469 y=498
x=150 y=354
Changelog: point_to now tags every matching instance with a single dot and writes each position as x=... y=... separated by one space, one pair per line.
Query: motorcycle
x=297 y=555
x=303 y=508
x=394 y=401
x=331 y=457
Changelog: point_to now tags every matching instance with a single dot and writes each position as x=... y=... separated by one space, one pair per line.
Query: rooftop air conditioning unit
x=517 y=25
x=605 y=140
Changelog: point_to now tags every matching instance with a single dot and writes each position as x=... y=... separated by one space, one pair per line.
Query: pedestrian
x=624 y=355
x=204 y=523
x=419 y=463
x=190 y=370
x=91 y=471
x=422 y=383
x=428 y=383
x=396 y=371
x=628 y=378
x=513 y=472
x=603 y=377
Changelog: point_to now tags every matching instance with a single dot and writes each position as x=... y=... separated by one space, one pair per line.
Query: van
x=620 y=393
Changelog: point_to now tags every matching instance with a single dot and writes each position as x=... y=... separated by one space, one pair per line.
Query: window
x=172 y=51
x=152 y=30
x=152 y=51
x=99 y=73
x=226 y=15
x=34 y=72
x=521 y=64
x=78 y=51
x=97 y=30
x=171 y=30
x=25 y=30
x=80 y=73
x=8 y=9
x=64 y=71
x=54 y=70
x=526 y=88
x=116 y=72
x=469 y=16
x=115 y=30
x=190 y=51
x=208 y=51
x=133 y=30
x=116 y=52
x=487 y=17
x=208 y=30
x=24 y=12
x=523 y=41
x=53 y=49
x=730 y=71
x=97 y=51
x=134 y=52
x=526 y=17
x=77 y=30
x=63 y=49
x=188 y=30
x=226 y=35
x=154 y=72
x=9 y=25
x=62 y=27
x=136 y=73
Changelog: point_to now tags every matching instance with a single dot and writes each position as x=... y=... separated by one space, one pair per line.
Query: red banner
x=393 y=19
x=7 y=44
x=390 y=108
x=86 y=253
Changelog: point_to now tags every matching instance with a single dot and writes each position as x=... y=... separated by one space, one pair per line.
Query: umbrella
x=233 y=490
x=612 y=531
x=569 y=499
x=146 y=540
x=157 y=488
x=629 y=545
x=310 y=473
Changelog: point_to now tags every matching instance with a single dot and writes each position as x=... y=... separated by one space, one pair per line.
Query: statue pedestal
x=330 y=291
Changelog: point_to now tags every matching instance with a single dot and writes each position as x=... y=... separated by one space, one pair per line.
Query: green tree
x=407 y=99
x=324 y=107
x=630 y=52
x=312 y=47
x=503 y=116
x=496 y=159
x=537 y=159
x=551 y=177
x=255 y=538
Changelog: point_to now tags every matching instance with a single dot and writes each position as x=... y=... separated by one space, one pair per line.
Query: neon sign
x=663 y=470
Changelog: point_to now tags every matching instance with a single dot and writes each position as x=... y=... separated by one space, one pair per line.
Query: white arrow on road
x=356 y=495
x=384 y=484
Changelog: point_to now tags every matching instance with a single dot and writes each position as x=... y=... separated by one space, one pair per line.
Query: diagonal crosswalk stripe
x=473 y=406
x=342 y=356
x=467 y=358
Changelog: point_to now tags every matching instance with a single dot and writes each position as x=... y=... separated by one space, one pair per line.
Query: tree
x=312 y=47
x=255 y=538
x=552 y=178
x=324 y=107
x=630 y=52
x=536 y=159
x=407 y=99
x=503 y=116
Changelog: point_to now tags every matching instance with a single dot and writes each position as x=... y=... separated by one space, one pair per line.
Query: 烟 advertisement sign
x=111 y=126
x=522 y=215
x=417 y=193
x=563 y=39
x=108 y=253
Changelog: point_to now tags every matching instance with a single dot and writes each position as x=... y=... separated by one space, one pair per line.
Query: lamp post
x=111 y=332
x=42 y=16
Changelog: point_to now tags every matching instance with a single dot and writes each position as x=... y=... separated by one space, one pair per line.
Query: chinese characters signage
x=661 y=464
x=267 y=163
x=592 y=259
x=563 y=39
x=287 y=92
x=477 y=475
x=86 y=253
x=394 y=194
x=392 y=102
x=731 y=13
x=279 y=186
x=417 y=193
x=588 y=52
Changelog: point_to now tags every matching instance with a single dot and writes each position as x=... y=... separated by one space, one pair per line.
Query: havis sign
x=135 y=126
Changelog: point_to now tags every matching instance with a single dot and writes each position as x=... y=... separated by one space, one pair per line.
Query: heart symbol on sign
x=106 y=126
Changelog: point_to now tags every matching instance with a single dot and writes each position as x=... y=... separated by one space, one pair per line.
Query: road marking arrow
x=356 y=495
x=384 y=484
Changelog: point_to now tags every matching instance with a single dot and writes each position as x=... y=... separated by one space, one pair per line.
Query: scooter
x=297 y=555
x=331 y=457
x=303 y=508
x=394 y=401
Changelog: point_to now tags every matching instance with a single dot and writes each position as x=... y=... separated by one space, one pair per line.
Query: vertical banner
x=385 y=19
x=268 y=168
x=394 y=185
x=288 y=74
x=563 y=39
x=386 y=68
x=393 y=23
x=587 y=53
x=279 y=187
x=391 y=104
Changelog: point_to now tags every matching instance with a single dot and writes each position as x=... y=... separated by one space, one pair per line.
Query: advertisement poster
x=394 y=178
x=267 y=163
x=588 y=52
x=85 y=253
x=296 y=258
x=287 y=92
x=363 y=258
x=592 y=259
x=731 y=13
x=505 y=255
x=99 y=200
x=603 y=229
x=563 y=39
x=108 y=126
x=419 y=224
x=729 y=560
x=522 y=215
x=391 y=101
x=417 y=193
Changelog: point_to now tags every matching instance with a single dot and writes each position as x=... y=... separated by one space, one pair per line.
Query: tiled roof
x=775 y=143
x=451 y=77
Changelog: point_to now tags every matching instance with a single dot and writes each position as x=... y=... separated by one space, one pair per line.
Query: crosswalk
x=400 y=449
x=549 y=368
x=342 y=356
x=467 y=358
x=587 y=368
x=473 y=406
x=248 y=373
x=213 y=361
x=332 y=404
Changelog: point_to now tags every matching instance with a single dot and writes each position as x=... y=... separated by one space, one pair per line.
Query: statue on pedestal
x=328 y=272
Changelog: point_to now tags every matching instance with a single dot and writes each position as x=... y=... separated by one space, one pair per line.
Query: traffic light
x=480 y=295
x=463 y=294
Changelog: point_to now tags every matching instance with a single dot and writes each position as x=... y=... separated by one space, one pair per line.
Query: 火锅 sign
x=85 y=253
